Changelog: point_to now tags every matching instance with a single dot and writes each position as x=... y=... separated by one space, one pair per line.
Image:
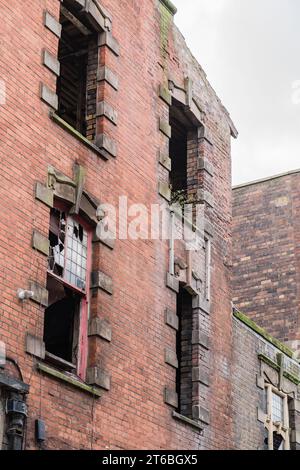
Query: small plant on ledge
x=181 y=197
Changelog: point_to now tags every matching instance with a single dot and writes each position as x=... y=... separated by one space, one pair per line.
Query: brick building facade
x=97 y=95
x=266 y=289
x=266 y=379
x=112 y=342
x=266 y=264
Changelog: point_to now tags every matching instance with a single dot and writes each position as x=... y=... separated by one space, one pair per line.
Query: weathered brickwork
x=252 y=373
x=128 y=396
x=266 y=254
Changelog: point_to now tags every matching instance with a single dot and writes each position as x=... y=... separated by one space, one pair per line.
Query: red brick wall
x=132 y=414
x=266 y=254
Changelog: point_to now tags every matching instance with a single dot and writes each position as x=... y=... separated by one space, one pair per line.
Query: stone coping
x=261 y=332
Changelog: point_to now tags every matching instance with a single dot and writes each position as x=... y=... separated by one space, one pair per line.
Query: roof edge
x=268 y=178
x=261 y=332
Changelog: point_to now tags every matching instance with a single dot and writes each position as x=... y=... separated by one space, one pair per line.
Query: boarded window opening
x=184 y=384
x=77 y=83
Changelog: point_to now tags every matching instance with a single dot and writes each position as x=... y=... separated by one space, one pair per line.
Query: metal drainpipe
x=16 y=411
x=171 y=245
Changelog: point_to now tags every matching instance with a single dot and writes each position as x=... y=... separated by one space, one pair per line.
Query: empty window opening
x=77 y=83
x=178 y=152
x=182 y=148
x=67 y=284
x=178 y=149
x=62 y=322
x=184 y=384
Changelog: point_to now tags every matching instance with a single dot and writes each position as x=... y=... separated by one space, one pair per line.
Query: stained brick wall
x=132 y=414
x=250 y=376
x=247 y=397
x=266 y=256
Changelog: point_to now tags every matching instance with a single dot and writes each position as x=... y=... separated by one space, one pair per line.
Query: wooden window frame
x=81 y=365
x=81 y=122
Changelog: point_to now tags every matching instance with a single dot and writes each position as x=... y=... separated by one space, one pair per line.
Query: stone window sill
x=62 y=123
x=185 y=420
x=58 y=362
x=68 y=379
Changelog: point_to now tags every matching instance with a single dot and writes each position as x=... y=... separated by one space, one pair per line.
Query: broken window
x=68 y=287
x=184 y=384
x=68 y=249
x=77 y=83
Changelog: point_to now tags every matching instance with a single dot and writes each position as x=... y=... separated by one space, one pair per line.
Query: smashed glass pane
x=69 y=263
x=76 y=254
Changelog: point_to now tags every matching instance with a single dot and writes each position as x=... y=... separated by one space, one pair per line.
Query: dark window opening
x=182 y=150
x=178 y=153
x=77 y=83
x=61 y=321
x=278 y=442
x=68 y=288
x=184 y=384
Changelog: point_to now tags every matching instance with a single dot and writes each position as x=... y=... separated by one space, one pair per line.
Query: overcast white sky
x=250 y=50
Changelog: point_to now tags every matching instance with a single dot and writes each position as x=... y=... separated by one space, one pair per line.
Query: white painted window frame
x=281 y=428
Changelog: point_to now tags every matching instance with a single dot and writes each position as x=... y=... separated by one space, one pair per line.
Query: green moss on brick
x=268 y=361
x=260 y=331
x=69 y=380
x=291 y=377
x=166 y=18
x=170 y=6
